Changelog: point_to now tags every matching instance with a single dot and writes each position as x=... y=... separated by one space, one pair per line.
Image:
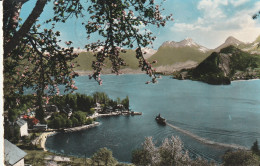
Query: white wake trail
x=205 y=141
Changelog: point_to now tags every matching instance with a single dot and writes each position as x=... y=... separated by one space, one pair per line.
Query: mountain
x=171 y=56
x=188 y=42
x=229 y=41
x=148 y=52
x=253 y=48
x=173 y=53
x=222 y=67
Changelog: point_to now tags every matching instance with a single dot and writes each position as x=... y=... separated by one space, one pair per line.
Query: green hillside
x=171 y=55
x=229 y=64
x=85 y=59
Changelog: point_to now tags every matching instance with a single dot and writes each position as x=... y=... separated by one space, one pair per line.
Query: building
x=50 y=108
x=23 y=127
x=40 y=127
x=13 y=156
x=98 y=107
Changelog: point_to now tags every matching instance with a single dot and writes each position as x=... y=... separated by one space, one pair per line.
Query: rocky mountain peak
x=188 y=42
x=231 y=40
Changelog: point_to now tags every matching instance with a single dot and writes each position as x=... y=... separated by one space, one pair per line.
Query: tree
x=240 y=157
x=80 y=116
x=116 y=21
x=141 y=157
x=255 y=16
x=170 y=153
x=125 y=102
x=255 y=148
x=103 y=157
x=12 y=115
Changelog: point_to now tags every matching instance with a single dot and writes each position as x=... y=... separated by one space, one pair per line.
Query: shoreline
x=108 y=72
x=83 y=127
x=43 y=137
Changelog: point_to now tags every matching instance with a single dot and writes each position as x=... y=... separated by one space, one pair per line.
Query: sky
x=207 y=22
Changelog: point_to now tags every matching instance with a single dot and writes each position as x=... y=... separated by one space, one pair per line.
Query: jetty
x=81 y=127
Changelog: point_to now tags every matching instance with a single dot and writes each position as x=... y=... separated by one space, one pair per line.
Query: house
x=109 y=109
x=67 y=110
x=50 y=108
x=98 y=107
x=41 y=127
x=23 y=127
x=13 y=156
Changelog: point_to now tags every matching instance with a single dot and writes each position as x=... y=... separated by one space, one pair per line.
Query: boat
x=160 y=120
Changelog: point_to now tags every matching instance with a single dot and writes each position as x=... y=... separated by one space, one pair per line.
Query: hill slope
x=253 y=48
x=85 y=59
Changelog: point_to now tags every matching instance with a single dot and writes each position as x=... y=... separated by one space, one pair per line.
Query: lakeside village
x=25 y=133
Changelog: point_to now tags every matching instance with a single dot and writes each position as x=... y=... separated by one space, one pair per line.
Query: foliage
x=60 y=120
x=141 y=157
x=255 y=16
x=125 y=103
x=37 y=60
x=240 y=157
x=100 y=97
x=255 y=148
x=80 y=116
x=77 y=102
x=222 y=67
x=103 y=157
x=57 y=121
x=12 y=133
x=170 y=153
x=34 y=58
x=117 y=22
x=240 y=60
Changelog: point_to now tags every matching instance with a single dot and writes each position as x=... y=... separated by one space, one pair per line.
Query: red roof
x=34 y=121
x=25 y=117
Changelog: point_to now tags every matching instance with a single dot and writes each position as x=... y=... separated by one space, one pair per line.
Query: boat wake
x=205 y=141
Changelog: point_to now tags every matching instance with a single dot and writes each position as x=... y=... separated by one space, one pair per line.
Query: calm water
x=227 y=114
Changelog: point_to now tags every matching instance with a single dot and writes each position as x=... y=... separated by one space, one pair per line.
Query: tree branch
x=38 y=9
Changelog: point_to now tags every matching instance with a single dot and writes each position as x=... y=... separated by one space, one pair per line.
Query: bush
x=170 y=153
x=103 y=157
x=241 y=158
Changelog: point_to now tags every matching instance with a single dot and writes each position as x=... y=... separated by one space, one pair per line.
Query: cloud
x=212 y=8
x=238 y=2
x=215 y=25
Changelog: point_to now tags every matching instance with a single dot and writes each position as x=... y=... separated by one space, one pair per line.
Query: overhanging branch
x=38 y=9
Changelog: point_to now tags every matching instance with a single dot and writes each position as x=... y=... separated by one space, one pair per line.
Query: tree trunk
x=14 y=41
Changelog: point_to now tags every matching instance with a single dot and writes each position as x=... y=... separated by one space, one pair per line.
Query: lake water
x=226 y=114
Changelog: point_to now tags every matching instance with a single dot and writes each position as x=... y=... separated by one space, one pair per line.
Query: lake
x=227 y=114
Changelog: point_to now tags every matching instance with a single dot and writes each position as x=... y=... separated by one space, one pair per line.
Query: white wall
x=24 y=130
x=19 y=163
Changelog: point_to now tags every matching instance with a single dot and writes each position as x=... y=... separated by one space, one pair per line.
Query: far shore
x=106 y=72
